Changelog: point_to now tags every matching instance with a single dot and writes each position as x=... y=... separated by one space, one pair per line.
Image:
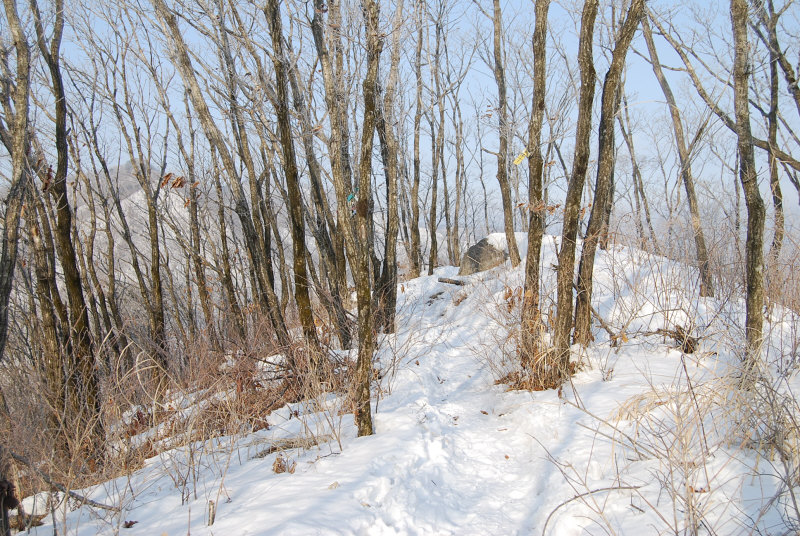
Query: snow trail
x=454 y=453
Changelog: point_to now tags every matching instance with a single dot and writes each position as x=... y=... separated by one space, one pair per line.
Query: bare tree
x=416 y=247
x=355 y=233
x=83 y=396
x=386 y=288
x=640 y=196
x=713 y=104
x=768 y=20
x=756 y=212
x=605 y=168
x=684 y=156
x=437 y=136
x=301 y=294
x=554 y=373
x=366 y=335
x=531 y=313
x=255 y=250
x=498 y=68
x=13 y=130
x=14 y=137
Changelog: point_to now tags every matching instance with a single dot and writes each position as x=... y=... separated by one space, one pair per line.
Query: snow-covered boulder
x=482 y=256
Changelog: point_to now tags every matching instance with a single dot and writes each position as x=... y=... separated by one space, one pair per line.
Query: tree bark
x=336 y=278
x=769 y=19
x=433 y=253
x=354 y=234
x=235 y=313
x=53 y=367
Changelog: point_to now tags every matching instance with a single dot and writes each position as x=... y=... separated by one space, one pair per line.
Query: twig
x=633 y=444
x=60 y=487
x=581 y=495
x=604 y=324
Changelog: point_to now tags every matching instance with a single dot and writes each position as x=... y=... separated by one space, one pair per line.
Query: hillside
x=645 y=440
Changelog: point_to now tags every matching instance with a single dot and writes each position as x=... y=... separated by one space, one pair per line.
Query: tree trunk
x=556 y=372
x=18 y=150
x=53 y=367
x=337 y=280
x=301 y=283
x=354 y=235
x=530 y=349
x=756 y=212
x=80 y=335
x=638 y=183
x=416 y=246
x=502 y=155
x=433 y=253
x=461 y=181
x=8 y=500
x=605 y=166
x=684 y=157
x=361 y=272
x=387 y=286
x=770 y=21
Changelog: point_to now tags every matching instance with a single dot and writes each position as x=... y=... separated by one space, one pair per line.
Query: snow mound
x=644 y=436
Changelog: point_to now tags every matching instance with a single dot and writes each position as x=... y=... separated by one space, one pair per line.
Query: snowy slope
x=631 y=447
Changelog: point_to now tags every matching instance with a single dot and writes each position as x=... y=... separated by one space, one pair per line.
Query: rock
x=482 y=256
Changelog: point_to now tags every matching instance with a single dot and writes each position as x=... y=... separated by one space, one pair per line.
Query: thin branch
x=582 y=495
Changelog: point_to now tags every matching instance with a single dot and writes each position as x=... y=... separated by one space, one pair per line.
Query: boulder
x=482 y=256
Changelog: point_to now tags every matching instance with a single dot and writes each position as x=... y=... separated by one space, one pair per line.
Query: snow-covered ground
x=645 y=440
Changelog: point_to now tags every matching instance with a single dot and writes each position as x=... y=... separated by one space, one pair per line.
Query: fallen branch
x=60 y=487
x=452 y=281
x=686 y=343
x=293 y=443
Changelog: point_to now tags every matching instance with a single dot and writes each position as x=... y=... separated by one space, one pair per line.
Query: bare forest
x=225 y=202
